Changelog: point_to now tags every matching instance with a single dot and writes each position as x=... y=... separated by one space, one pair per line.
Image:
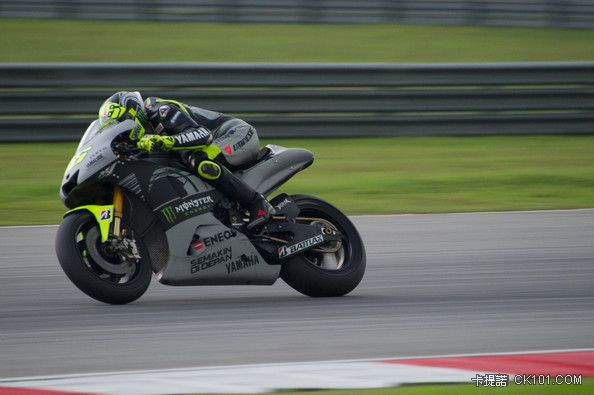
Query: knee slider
x=209 y=170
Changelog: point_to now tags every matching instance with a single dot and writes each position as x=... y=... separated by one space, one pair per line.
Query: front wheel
x=95 y=270
x=320 y=274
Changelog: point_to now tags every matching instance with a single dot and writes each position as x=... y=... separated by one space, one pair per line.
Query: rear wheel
x=94 y=267
x=333 y=273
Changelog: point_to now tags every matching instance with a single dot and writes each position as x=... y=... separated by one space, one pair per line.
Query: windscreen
x=94 y=129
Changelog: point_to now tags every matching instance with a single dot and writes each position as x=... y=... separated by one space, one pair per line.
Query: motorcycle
x=132 y=214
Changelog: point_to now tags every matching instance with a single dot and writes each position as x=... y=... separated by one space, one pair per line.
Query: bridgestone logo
x=302 y=245
x=105 y=215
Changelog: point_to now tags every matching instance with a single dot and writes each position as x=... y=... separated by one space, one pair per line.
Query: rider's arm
x=191 y=138
x=175 y=129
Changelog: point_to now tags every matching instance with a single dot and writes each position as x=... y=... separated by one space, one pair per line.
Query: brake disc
x=91 y=242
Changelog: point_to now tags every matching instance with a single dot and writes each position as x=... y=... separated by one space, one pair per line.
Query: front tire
x=310 y=273
x=77 y=242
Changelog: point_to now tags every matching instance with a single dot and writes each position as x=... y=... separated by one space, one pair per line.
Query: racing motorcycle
x=133 y=214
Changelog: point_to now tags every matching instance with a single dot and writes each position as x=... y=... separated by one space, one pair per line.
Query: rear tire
x=90 y=277
x=306 y=276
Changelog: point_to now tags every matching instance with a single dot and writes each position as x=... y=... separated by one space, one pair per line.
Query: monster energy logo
x=168 y=214
x=187 y=207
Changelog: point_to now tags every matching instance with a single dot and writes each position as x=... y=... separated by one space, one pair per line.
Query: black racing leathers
x=173 y=119
x=190 y=127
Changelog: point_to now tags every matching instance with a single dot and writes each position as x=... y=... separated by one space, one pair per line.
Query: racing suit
x=214 y=141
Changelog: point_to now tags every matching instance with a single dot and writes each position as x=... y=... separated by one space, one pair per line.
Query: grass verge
x=368 y=175
x=31 y=40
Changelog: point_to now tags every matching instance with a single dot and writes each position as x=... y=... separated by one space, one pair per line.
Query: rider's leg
x=234 y=188
x=238 y=144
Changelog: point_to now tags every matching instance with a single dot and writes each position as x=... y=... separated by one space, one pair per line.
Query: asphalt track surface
x=435 y=284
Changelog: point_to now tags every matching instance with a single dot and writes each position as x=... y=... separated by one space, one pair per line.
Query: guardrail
x=561 y=13
x=57 y=101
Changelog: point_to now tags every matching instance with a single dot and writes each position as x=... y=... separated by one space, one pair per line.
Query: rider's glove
x=155 y=143
x=137 y=133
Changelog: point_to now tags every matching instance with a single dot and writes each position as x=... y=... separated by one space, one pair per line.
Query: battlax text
x=285 y=251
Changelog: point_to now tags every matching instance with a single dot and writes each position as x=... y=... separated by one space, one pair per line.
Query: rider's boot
x=236 y=189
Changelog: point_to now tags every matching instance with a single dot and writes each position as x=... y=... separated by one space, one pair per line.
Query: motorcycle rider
x=210 y=143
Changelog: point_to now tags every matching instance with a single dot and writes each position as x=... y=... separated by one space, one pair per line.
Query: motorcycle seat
x=262 y=154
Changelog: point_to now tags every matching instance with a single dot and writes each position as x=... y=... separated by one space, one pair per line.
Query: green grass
x=368 y=175
x=29 y=40
x=587 y=387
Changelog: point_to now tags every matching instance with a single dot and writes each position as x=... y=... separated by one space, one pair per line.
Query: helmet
x=125 y=105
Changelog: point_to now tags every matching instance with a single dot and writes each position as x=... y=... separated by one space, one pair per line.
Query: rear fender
x=103 y=215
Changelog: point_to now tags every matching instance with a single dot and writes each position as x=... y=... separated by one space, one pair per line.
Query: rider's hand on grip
x=137 y=133
x=155 y=143
x=146 y=144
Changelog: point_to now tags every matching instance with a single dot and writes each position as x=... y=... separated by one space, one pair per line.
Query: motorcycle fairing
x=182 y=203
x=103 y=215
x=93 y=153
x=232 y=261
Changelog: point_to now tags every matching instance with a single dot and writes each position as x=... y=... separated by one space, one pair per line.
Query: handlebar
x=123 y=146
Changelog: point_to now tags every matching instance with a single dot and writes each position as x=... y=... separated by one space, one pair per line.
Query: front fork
x=118 y=209
x=126 y=248
x=109 y=217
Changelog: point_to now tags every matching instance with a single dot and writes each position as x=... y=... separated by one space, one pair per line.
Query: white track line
x=251 y=379
x=258 y=378
x=281 y=364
